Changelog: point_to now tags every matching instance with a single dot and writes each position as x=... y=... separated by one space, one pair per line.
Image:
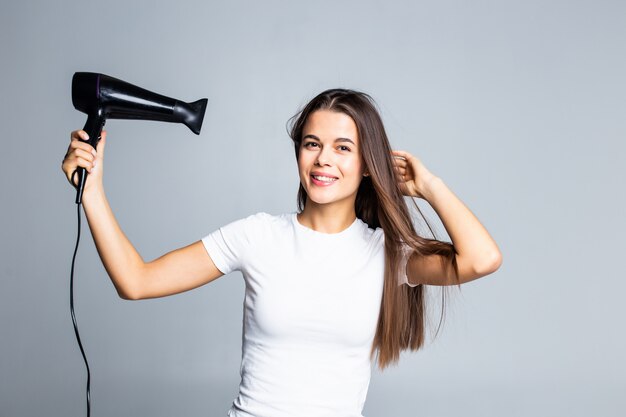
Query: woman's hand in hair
x=413 y=177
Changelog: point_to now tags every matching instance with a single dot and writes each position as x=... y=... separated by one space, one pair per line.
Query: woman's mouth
x=322 y=180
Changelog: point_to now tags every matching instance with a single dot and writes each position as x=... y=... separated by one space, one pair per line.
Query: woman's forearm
x=120 y=259
x=471 y=240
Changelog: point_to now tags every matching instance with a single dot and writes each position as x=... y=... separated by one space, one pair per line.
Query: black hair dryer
x=103 y=97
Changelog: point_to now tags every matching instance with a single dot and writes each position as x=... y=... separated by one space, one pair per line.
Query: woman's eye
x=315 y=145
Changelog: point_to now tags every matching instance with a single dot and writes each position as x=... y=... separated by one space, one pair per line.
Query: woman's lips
x=322 y=183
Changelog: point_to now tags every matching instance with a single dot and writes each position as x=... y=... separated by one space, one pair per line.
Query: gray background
x=518 y=106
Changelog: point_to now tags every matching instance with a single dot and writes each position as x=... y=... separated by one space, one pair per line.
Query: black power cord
x=72 y=306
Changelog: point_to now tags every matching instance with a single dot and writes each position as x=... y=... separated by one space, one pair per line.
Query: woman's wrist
x=430 y=187
x=93 y=194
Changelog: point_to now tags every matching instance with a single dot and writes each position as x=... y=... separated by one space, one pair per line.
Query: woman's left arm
x=477 y=254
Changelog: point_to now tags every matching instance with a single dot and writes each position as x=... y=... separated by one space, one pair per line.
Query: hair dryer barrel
x=116 y=99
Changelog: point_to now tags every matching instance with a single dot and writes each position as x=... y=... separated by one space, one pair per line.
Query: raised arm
x=477 y=254
x=177 y=271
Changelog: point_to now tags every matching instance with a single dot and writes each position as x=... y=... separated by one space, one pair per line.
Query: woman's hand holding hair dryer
x=81 y=154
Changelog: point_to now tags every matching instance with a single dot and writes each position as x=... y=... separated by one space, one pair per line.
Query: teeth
x=325 y=179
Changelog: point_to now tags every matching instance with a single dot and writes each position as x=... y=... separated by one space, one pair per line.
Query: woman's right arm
x=177 y=271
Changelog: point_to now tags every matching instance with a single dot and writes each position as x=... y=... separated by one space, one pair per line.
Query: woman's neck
x=326 y=219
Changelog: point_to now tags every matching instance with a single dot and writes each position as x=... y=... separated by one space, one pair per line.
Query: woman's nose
x=323 y=158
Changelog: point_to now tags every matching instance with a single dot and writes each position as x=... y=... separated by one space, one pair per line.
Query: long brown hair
x=380 y=203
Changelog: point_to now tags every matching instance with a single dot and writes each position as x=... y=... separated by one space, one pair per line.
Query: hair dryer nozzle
x=191 y=114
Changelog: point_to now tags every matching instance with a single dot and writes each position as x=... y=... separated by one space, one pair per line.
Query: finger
x=404 y=175
x=82 y=147
x=403 y=154
x=401 y=171
x=84 y=154
x=79 y=141
x=68 y=175
x=401 y=178
x=71 y=174
x=83 y=163
x=79 y=134
x=400 y=163
x=80 y=163
x=79 y=144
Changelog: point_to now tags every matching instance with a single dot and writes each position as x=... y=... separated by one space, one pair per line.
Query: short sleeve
x=406 y=251
x=229 y=245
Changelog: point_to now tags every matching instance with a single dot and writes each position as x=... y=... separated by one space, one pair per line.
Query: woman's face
x=330 y=162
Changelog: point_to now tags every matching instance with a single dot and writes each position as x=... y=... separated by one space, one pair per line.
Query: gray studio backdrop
x=518 y=106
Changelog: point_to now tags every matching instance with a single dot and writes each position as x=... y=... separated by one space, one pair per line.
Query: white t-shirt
x=311 y=309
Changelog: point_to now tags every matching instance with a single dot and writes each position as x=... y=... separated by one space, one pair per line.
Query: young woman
x=329 y=286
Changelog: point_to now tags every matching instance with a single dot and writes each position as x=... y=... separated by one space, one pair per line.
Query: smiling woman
x=375 y=181
x=329 y=161
x=328 y=286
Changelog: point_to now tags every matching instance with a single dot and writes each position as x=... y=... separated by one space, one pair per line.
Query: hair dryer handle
x=93 y=127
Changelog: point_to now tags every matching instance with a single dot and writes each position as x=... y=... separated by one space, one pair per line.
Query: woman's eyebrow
x=336 y=140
